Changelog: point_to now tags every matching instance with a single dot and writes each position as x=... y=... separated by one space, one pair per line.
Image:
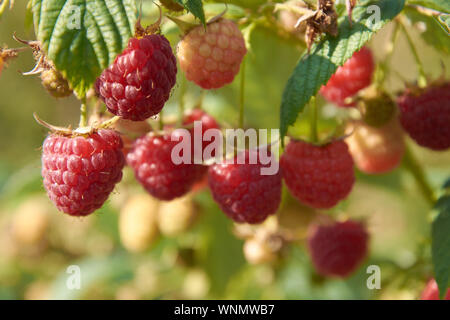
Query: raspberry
x=376 y=150
x=288 y=18
x=139 y=82
x=80 y=172
x=354 y=75
x=257 y=251
x=318 y=176
x=137 y=222
x=338 y=249
x=208 y=122
x=378 y=110
x=153 y=167
x=426 y=117
x=175 y=217
x=31 y=221
x=212 y=58
x=1 y=65
x=54 y=82
x=431 y=291
x=242 y=192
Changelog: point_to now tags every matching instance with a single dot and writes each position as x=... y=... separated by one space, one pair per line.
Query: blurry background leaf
x=434 y=34
x=83 y=37
x=316 y=68
x=93 y=271
x=444 y=20
x=195 y=7
x=440 y=5
x=441 y=244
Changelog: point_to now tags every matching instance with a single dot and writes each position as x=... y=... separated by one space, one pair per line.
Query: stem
x=161 y=122
x=414 y=167
x=242 y=96
x=83 y=113
x=422 y=77
x=313 y=127
x=389 y=54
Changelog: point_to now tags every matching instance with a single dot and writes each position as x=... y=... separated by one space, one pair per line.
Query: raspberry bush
x=350 y=107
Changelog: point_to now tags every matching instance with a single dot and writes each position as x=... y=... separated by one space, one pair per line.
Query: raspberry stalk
x=412 y=165
x=242 y=95
x=83 y=112
x=314 y=111
x=422 y=80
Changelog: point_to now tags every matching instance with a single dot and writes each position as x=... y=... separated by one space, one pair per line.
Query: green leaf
x=435 y=35
x=440 y=248
x=3 y=5
x=440 y=5
x=82 y=37
x=444 y=20
x=315 y=69
x=195 y=7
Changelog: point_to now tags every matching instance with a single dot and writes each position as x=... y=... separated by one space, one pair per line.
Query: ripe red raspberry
x=154 y=168
x=431 y=291
x=426 y=117
x=212 y=58
x=242 y=192
x=138 y=83
x=376 y=150
x=208 y=122
x=318 y=176
x=354 y=75
x=338 y=249
x=80 y=172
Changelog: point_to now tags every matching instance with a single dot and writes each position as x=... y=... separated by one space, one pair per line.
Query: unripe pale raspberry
x=376 y=150
x=242 y=192
x=137 y=222
x=256 y=251
x=31 y=220
x=54 y=82
x=176 y=216
x=138 y=84
x=377 y=110
x=426 y=116
x=288 y=18
x=353 y=76
x=431 y=291
x=338 y=249
x=80 y=172
x=212 y=58
x=318 y=176
x=151 y=160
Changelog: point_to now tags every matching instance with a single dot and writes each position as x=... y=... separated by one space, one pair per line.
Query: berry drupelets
x=138 y=83
x=212 y=58
x=338 y=249
x=80 y=172
x=431 y=291
x=242 y=192
x=376 y=150
x=353 y=76
x=318 y=176
x=154 y=168
x=425 y=116
x=208 y=122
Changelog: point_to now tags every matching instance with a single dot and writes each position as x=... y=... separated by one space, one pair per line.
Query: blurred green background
x=205 y=261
